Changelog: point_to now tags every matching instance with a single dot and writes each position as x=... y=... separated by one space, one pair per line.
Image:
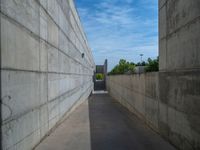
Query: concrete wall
x=43 y=74
x=168 y=102
x=179 y=35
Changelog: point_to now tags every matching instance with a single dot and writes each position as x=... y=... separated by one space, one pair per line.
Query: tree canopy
x=125 y=67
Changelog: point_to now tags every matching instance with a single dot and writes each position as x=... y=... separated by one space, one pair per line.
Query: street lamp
x=141 y=57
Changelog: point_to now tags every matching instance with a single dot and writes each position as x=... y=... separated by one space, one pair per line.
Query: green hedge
x=99 y=76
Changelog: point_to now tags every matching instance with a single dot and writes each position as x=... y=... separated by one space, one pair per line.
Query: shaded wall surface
x=169 y=101
x=179 y=35
x=44 y=73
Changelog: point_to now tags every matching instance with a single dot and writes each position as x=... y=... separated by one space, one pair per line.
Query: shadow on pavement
x=112 y=127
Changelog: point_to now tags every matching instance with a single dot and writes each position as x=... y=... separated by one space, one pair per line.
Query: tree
x=152 y=65
x=123 y=67
x=141 y=63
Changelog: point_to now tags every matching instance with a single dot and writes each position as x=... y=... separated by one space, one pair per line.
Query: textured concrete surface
x=179 y=34
x=167 y=102
x=179 y=77
x=103 y=124
x=43 y=73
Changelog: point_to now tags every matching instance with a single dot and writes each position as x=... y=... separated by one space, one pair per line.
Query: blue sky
x=120 y=29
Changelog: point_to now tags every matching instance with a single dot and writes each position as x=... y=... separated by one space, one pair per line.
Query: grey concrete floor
x=103 y=124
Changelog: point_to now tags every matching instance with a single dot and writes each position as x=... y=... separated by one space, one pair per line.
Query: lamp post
x=141 y=58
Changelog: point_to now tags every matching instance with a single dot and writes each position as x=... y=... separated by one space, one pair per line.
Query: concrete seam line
x=66 y=113
x=59 y=26
x=51 y=130
x=165 y=3
x=44 y=72
x=39 y=38
x=17 y=116
x=180 y=28
x=78 y=28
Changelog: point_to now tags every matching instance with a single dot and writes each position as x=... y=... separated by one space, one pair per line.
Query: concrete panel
x=64 y=85
x=53 y=109
x=32 y=139
x=162 y=22
x=43 y=24
x=180 y=13
x=52 y=33
x=151 y=112
x=64 y=6
x=53 y=59
x=44 y=120
x=17 y=130
x=17 y=101
x=183 y=48
x=53 y=10
x=151 y=85
x=24 y=12
x=64 y=63
x=179 y=21
x=63 y=22
x=43 y=56
x=63 y=43
x=19 y=50
x=162 y=54
x=53 y=86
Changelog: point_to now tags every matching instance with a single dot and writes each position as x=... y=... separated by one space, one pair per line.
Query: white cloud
x=121 y=30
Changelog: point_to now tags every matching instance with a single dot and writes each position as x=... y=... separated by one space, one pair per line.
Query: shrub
x=99 y=76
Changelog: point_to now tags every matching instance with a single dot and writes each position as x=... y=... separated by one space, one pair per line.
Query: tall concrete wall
x=169 y=101
x=179 y=78
x=43 y=73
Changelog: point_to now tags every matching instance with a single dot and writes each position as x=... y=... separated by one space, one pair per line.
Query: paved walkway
x=102 y=124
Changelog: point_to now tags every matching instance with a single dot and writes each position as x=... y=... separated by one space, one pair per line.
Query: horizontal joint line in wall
x=60 y=27
x=17 y=116
x=163 y=4
x=180 y=28
x=40 y=128
x=78 y=28
x=38 y=37
x=44 y=72
x=194 y=69
x=70 y=92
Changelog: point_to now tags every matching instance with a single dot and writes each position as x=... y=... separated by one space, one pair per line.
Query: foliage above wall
x=125 y=67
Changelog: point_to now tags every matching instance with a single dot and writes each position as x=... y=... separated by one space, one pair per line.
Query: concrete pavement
x=103 y=124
